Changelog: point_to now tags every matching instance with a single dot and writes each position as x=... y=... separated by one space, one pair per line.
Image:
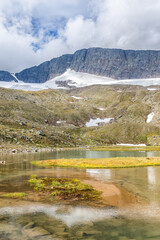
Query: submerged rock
x=35 y=232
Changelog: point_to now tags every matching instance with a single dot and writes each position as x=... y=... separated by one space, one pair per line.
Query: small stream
x=27 y=220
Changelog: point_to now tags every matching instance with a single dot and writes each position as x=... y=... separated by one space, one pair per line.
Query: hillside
x=58 y=117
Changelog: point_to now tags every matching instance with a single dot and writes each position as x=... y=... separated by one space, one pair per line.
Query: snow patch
x=101 y=109
x=152 y=89
x=97 y=121
x=80 y=79
x=59 y=122
x=30 y=86
x=77 y=79
x=150 y=117
x=131 y=145
x=78 y=98
x=13 y=75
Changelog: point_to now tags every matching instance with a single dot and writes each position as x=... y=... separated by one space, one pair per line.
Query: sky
x=34 y=31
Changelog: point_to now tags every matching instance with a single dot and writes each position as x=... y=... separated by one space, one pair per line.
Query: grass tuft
x=14 y=195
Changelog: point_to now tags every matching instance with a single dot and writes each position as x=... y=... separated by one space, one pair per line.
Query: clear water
x=73 y=222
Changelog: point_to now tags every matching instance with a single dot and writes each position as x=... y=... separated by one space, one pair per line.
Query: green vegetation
x=14 y=195
x=125 y=148
x=101 y=162
x=64 y=188
x=37 y=184
x=53 y=118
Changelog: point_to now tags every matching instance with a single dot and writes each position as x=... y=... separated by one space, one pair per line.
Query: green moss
x=125 y=148
x=64 y=188
x=121 y=162
x=14 y=195
x=37 y=184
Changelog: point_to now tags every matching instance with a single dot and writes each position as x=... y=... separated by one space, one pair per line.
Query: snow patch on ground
x=101 y=109
x=80 y=79
x=30 y=86
x=13 y=75
x=97 y=121
x=77 y=79
x=152 y=89
x=59 y=122
x=78 y=98
x=150 y=117
x=131 y=145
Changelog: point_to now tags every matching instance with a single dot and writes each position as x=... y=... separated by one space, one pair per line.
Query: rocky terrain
x=66 y=118
x=113 y=63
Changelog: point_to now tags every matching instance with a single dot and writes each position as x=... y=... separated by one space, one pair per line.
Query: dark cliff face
x=6 y=76
x=117 y=64
x=46 y=70
x=114 y=63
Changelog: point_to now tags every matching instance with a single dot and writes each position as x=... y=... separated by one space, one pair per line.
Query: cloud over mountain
x=33 y=31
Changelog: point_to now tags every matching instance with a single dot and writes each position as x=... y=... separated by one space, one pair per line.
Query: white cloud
x=76 y=24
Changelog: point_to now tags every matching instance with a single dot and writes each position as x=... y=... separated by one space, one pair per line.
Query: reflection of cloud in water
x=151 y=176
x=98 y=154
x=104 y=174
x=150 y=154
x=77 y=215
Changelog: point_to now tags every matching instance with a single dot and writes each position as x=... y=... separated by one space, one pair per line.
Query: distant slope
x=60 y=117
x=6 y=76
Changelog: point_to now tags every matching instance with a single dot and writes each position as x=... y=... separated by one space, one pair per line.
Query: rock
x=55 y=229
x=41 y=133
x=29 y=225
x=124 y=238
x=2 y=162
x=35 y=232
x=62 y=234
x=88 y=233
x=23 y=124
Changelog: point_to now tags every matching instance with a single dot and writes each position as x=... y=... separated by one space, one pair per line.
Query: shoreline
x=16 y=149
x=112 y=195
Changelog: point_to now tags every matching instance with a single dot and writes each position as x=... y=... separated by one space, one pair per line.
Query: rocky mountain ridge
x=113 y=63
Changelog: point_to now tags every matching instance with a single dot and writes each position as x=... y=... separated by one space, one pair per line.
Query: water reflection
x=100 y=174
x=108 y=223
x=151 y=176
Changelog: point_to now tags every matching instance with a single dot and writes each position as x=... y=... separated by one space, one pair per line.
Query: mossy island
x=64 y=188
x=121 y=162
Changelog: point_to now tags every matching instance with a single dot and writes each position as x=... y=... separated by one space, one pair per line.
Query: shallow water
x=70 y=222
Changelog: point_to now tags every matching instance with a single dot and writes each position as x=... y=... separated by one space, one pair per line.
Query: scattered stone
x=88 y=233
x=41 y=133
x=23 y=123
x=29 y=225
x=35 y=232
x=2 y=162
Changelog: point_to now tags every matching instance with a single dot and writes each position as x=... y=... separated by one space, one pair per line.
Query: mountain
x=111 y=63
x=6 y=76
